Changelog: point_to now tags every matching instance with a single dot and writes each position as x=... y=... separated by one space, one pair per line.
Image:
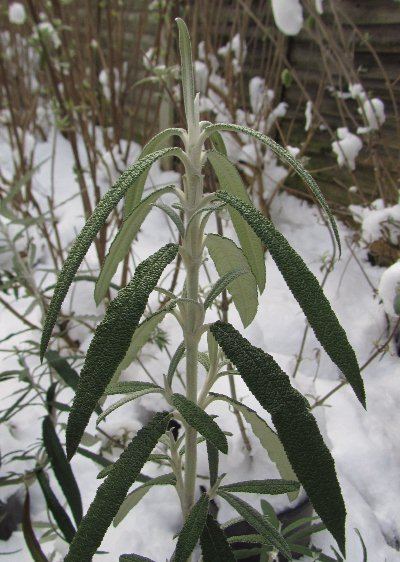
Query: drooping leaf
x=187 y=74
x=259 y=523
x=214 y=544
x=287 y=157
x=296 y=427
x=134 y=497
x=269 y=486
x=226 y=257
x=88 y=234
x=113 y=490
x=201 y=421
x=63 y=368
x=221 y=285
x=61 y=517
x=30 y=539
x=307 y=291
x=176 y=219
x=135 y=191
x=192 y=529
x=122 y=242
x=112 y=339
x=267 y=437
x=229 y=180
x=62 y=469
x=213 y=461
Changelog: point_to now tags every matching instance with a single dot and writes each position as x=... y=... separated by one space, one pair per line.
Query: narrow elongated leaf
x=134 y=558
x=267 y=437
x=111 y=341
x=142 y=335
x=123 y=241
x=187 y=74
x=269 y=486
x=135 y=192
x=63 y=369
x=176 y=219
x=175 y=360
x=214 y=544
x=99 y=459
x=128 y=398
x=113 y=490
x=30 y=539
x=134 y=497
x=201 y=421
x=229 y=180
x=88 y=234
x=62 y=469
x=128 y=387
x=308 y=293
x=284 y=155
x=213 y=461
x=192 y=529
x=61 y=517
x=259 y=523
x=296 y=427
x=226 y=257
x=222 y=284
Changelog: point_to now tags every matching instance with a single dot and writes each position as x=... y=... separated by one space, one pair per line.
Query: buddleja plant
x=295 y=445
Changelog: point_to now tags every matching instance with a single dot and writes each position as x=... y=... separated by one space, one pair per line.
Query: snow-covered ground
x=365 y=445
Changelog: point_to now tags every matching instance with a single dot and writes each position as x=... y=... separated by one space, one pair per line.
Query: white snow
x=288 y=15
x=347 y=147
x=16 y=13
x=308 y=114
x=378 y=221
x=389 y=289
x=319 y=6
x=373 y=112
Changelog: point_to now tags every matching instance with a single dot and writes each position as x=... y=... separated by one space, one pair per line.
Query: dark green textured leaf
x=229 y=180
x=201 y=421
x=61 y=517
x=126 y=387
x=30 y=539
x=177 y=356
x=102 y=461
x=113 y=490
x=63 y=369
x=214 y=545
x=87 y=235
x=111 y=341
x=212 y=453
x=62 y=469
x=296 y=427
x=284 y=155
x=134 y=558
x=270 y=486
x=192 y=529
x=307 y=291
x=259 y=523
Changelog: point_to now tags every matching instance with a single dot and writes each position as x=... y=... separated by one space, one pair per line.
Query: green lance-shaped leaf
x=201 y=421
x=128 y=398
x=88 y=234
x=134 y=497
x=123 y=241
x=192 y=529
x=284 y=155
x=269 y=486
x=175 y=360
x=307 y=291
x=213 y=462
x=111 y=341
x=187 y=74
x=63 y=369
x=227 y=256
x=30 y=538
x=134 y=558
x=113 y=490
x=296 y=427
x=260 y=524
x=62 y=469
x=267 y=437
x=214 y=544
x=229 y=180
x=61 y=517
x=176 y=219
x=221 y=285
x=135 y=192
x=128 y=387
